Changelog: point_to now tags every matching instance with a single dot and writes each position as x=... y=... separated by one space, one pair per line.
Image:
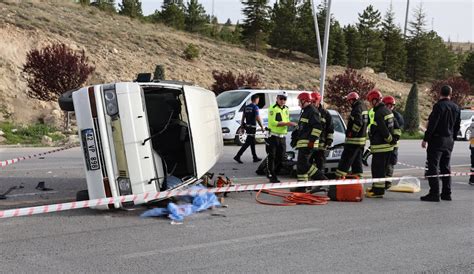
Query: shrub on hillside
x=461 y=90
x=159 y=73
x=224 y=81
x=55 y=69
x=340 y=85
x=191 y=52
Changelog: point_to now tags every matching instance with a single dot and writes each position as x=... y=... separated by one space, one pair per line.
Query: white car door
x=205 y=125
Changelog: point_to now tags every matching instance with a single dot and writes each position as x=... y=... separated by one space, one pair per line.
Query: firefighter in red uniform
x=383 y=138
x=306 y=138
x=356 y=135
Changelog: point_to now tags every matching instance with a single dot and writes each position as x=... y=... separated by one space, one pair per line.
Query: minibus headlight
x=124 y=185
x=111 y=105
x=228 y=116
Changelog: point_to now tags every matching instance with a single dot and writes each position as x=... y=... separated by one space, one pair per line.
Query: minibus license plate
x=90 y=149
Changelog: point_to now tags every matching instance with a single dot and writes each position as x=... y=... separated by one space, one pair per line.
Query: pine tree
x=284 y=32
x=419 y=52
x=105 y=5
x=368 y=26
x=306 y=41
x=411 y=116
x=355 y=51
x=339 y=47
x=444 y=60
x=237 y=34
x=467 y=69
x=195 y=16
x=228 y=23
x=131 y=8
x=172 y=14
x=256 y=23
x=394 y=54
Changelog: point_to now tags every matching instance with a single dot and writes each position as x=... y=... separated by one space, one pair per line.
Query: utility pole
x=212 y=18
x=316 y=26
x=406 y=19
x=325 y=50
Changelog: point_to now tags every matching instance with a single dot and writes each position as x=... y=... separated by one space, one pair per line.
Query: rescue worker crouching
x=382 y=140
x=305 y=139
x=356 y=135
x=278 y=123
x=326 y=138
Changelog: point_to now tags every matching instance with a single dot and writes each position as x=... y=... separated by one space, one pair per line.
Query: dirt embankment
x=120 y=48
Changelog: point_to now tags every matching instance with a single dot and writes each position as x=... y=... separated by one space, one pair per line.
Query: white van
x=139 y=137
x=232 y=102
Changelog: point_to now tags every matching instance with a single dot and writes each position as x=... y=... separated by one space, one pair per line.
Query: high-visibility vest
x=278 y=114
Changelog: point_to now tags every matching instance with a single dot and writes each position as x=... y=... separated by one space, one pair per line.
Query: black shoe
x=388 y=185
x=364 y=161
x=471 y=182
x=237 y=159
x=274 y=179
x=430 y=198
x=256 y=159
x=445 y=197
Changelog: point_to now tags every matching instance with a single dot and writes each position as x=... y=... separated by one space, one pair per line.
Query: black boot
x=256 y=159
x=237 y=159
x=430 y=198
x=445 y=197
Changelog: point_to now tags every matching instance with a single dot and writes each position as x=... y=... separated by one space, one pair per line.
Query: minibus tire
x=82 y=195
x=65 y=101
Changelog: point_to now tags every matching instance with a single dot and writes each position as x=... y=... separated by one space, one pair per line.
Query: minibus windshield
x=231 y=99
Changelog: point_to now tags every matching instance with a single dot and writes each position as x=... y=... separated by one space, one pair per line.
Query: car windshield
x=466 y=115
x=231 y=99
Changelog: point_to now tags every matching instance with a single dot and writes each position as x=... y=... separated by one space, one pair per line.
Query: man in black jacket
x=327 y=135
x=356 y=135
x=443 y=126
x=389 y=102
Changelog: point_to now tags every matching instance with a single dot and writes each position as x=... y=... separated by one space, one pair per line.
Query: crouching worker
x=307 y=138
x=356 y=135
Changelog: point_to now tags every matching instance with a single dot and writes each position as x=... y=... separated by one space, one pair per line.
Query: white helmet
x=282 y=93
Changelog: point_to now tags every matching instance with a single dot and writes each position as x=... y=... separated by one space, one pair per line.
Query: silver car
x=466 y=119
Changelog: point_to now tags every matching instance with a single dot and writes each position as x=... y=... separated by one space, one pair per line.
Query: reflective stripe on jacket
x=356 y=132
x=309 y=127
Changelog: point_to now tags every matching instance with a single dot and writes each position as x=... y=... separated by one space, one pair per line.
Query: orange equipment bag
x=347 y=193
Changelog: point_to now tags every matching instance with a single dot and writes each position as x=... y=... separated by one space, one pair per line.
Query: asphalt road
x=395 y=234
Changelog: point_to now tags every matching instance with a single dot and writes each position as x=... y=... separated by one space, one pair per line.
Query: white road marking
x=220 y=243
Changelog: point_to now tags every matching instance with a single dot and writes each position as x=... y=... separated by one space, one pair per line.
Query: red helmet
x=374 y=94
x=352 y=96
x=304 y=96
x=315 y=96
x=388 y=100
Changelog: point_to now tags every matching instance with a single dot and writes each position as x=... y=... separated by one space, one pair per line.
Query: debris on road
x=42 y=186
x=3 y=196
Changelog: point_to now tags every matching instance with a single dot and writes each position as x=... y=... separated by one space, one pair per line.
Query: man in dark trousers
x=390 y=102
x=250 y=117
x=443 y=126
x=326 y=137
x=306 y=138
x=382 y=141
x=356 y=135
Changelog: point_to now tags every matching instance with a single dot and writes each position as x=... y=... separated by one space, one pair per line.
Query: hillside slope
x=120 y=48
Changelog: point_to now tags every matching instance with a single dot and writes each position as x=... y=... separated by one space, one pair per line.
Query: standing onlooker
x=443 y=126
x=278 y=123
x=471 y=178
x=250 y=117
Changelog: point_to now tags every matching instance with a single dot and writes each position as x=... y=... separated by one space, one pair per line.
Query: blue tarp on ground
x=178 y=212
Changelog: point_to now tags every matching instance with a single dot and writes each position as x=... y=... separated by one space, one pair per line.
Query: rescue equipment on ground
x=407 y=184
x=347 y=193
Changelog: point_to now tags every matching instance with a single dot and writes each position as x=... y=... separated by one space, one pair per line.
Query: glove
x=311 y=145
x=393 y=142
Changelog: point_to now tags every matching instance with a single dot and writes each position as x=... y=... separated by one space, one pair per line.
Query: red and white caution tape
x=408 y=165
x=149 y=196
x=16 y=160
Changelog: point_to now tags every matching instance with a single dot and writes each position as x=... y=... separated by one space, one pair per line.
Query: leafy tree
x=54 y=70
x=131 y=8
x=227 y=80
x=394 y=54
x=172 y=14
x=467 y=68
x=284 y=32
x=461 y=90
x=355 y=51
x=256 y=23
x=340 y=85
x=419 y=52
x=195 y=16
x=411 y=115
x=369 y=23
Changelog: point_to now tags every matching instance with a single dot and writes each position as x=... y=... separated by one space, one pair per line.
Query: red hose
x=292 y=198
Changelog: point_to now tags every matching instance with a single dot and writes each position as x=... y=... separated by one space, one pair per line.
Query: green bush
x=411 y=115
x=159 y=73
x=191 y=52
x=30 y=134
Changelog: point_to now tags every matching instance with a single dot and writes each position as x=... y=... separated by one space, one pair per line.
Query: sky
x=451 y=19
